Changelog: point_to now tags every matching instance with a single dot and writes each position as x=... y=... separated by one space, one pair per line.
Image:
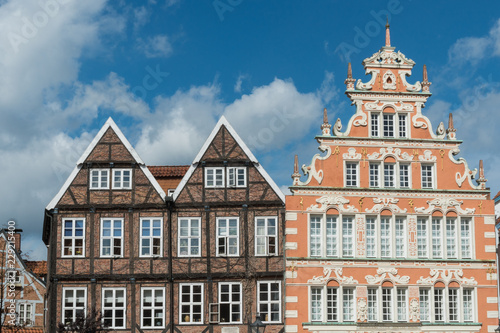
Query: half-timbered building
x=388 y=231
x=206 y=257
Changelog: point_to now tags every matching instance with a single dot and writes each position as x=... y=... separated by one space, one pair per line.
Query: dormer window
x=217 y=177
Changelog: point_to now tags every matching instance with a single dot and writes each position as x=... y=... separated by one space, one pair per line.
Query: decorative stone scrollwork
x=398 y=106
x=389 y=203
x=446 y=276
x=386 y=58
x=440 y=131
x=359 y=113
x=369 y=85
x=446 y=204
x=352 y=155
x=329 y=201
x=414 y=310
x=468 y=173
x=327 y=276
x=421 y=121
x=387 y=274
x=390 y=151
x=311 y=171
x=427 y=157
x=362 y=310
x=409 y=87
x=389 y=80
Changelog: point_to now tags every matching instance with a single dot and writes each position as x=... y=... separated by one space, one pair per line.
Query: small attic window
x=99 y=179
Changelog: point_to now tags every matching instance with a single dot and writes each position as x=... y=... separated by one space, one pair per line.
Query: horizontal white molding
x=291 y=216
x=293 y=246
x=291 y=275
x=490 y=248
x=491 y=314
x=291 y=314
x=291 y=328
x=492 y=300
x=489 y=234
x=293 y=231
x=291 y=299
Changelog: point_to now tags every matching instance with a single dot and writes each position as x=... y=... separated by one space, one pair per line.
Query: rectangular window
x=348 y=304
x=151 y=237
x=385 y=237
x=438 y=304
x=331 y=236
x=347 y=237
x=400 y=234
x=401 y=304
x=237 y=177
x=372 y=304
x=451 y=238
x=466 y=237
x=371 y=237
x=25 y=314
x=467 y=305
x=214 y=177
x=424 y=305
x=227 y=236
x=436 y=238
x=74 y=237
x=74 y=304
x=332 y=303
x=111 y=237
x=153 y=308
x=374 y=175
x=422 y=237
x=387 y=304
x=266 y=236
x=375 y=124
x=315 y=236
x=404 y=175
x=402 y=126
x=230 y=302
x=388 y=125
x=189 y=236
x=269 y=301
x=351 y=174
x=427 y=178
x=453 y=304
x=191 y=303
x=121 y=179
x=389 y=175
x=316 y=304
x=99 y=179
x=113 y=307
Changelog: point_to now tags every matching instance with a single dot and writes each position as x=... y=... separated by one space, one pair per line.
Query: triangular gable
x=109 y=124
x=223 y=122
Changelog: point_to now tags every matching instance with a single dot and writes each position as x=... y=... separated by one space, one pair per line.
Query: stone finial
x=325 y=127
x=349 y=82
x=451 y=131
x=296 y=174
x=481 y=180
x=425 y=81
x=387 y=34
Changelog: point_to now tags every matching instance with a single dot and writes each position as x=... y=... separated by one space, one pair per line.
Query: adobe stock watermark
x=279 y=121
x=150 y=81
x=223 y=6
x=372 y=28
x=31 y=26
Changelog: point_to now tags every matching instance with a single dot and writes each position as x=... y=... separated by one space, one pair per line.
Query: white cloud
x=141 y=16
x=155 y=47
x=239 y=82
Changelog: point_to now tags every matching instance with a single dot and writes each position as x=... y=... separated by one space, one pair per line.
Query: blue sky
x=166 y=70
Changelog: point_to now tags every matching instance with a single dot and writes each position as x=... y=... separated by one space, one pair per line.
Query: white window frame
x=73 y=308
x=189 y=237
x=114 y=307
x=352 y=182
x=214 y=180
x=432 y=177
x=226 y=237
x=376 y=181
x=392 y=239
x=73 y=237
x=397 y=310
x=153 y=307
x=120 y=185
x=151 y=237
x=423 y=237
x=269 y=302
x=464 y=246
x=389 y=128
x=191 y=303
x=233 y=174
x=381 y=177
x=338 y=239
x=99 y=182
x=445 y=304
x=111 y=238
x=25 y=318
x=377 y=125
x=231 y=302
x=329 y=312
x=267 y=236
x=403 y=128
